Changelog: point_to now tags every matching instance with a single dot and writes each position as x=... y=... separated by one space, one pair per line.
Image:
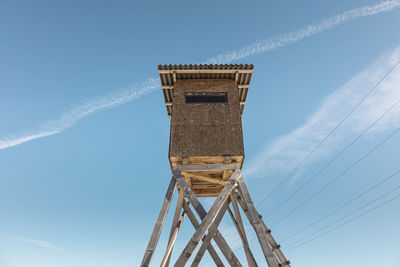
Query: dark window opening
x=206 y=98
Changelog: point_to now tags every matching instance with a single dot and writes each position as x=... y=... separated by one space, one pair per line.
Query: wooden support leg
x=237 y=221
x=159 y=224
x=196 y=225
x=172 y=241
x=211 y=232
x=175 y=222
x=225 y=249
x=283 y=261
x=257 y=225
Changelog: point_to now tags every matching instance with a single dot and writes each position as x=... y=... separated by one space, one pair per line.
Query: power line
x=337 y=177
x=342 y=206
x=349 y=221
x=333 y=159
x=329 y=134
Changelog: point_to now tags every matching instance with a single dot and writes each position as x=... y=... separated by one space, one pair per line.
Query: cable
x=341 y=206
x=337 y=177
x=339 y=154
x=332 y=160
x=349 y=221
x=329 y=134
x=346 y=216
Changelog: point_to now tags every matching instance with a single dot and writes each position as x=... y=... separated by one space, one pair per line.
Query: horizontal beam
x=204 y=178
x=243 y=85
x=167 y=87
x=207 y=167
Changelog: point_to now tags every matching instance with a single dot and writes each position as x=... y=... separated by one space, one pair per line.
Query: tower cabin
x=205 y=104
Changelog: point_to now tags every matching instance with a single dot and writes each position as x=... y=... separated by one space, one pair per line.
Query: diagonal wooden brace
x=196 y=225
x=228 y=253
x=211 y=232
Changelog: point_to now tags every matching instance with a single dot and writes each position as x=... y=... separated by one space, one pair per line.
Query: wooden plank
x=166 y=87
x=204 y=178
x=219 y=240
x=207 y=167
x=210 y=235
x=277 y=248
x=237 y=220
x=243 y=86
x=257 y=226
x=208 y=219
x=175 y=222
x=196 y=225
x=171 y=242
x=151 y=247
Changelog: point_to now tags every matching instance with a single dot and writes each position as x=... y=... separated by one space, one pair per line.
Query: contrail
x=119 y=97
x=295 y=36
x=84 y=109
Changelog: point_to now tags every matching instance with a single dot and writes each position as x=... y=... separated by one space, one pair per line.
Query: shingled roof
x=170 y=73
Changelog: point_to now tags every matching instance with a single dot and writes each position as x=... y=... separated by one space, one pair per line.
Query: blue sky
x=84 y=131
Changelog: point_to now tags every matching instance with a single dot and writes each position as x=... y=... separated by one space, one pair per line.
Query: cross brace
x=234 y=192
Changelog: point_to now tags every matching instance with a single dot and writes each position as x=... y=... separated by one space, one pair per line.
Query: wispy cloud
x=287 y=151
x=119 y=97
x=79 y=111
x=40 y=243
x=295 y=36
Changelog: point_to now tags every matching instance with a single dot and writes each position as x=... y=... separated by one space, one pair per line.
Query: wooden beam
x=151 y=247
x=204 y=178
x=207 y=167
x=175 y=223
x=219 y=240
x=211 y=232
x=257 y=225
x=171 y=242
x=237 y=221
x=283 y=261
x=242 y=86
x=196 y=225
x=167 y=87
x=207 y=221
x=168 y=103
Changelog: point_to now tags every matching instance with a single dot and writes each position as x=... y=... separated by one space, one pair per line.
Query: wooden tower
x=206 y=153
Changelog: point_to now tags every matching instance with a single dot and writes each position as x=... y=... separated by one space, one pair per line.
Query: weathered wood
x=219 y=240
x=207 y=221
x=175 y=222
x=257 y=225
x=276 y=247
x=148 y=255
x=238 y=222
x=204 y=178
x=207 y=167
x=283 y=261
x=196 y=225
x=211 y=232
x=171 y=242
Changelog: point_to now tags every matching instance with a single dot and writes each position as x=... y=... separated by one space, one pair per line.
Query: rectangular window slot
x=206 y=98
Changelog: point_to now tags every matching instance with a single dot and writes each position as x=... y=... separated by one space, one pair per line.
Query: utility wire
x=337 y=177
x=322 y=141
x=329 y=134
x=333 y=159
x=341 y=206
x=347 y=222
x=345 y=216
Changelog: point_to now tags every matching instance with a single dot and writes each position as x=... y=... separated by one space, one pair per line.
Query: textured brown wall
x=206 y=130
